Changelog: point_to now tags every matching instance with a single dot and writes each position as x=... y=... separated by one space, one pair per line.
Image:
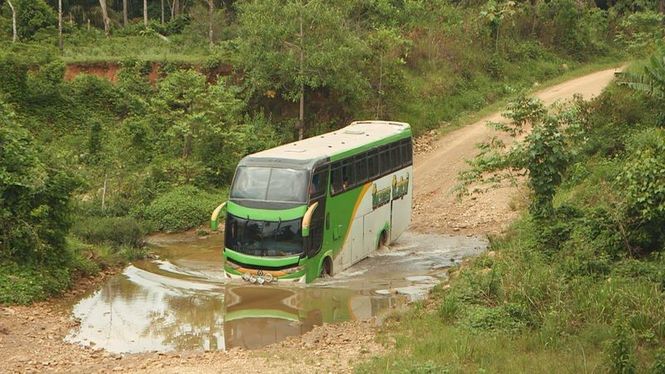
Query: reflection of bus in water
x=319 y=205
x=257 y=316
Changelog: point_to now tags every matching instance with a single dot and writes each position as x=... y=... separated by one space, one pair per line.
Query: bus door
x=317 y=193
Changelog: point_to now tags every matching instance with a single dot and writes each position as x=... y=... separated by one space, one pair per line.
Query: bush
x=621 y=351
x=658 y=366
x=642 y=182
x=132 y=253
x=23 y=284
x=639 y=31
x=182 y=208
x=114 y=231
x=449 y=308
x=34 y=194
x=26 y=282
x=506 y=317
x=33 y=15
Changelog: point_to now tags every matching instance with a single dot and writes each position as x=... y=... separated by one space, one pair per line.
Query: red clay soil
x=106 y=70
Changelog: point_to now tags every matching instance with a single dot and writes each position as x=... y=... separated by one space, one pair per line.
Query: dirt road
x=437 y=210
x=31 y=338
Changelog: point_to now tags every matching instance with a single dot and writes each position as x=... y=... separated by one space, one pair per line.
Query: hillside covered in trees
x=88 y=164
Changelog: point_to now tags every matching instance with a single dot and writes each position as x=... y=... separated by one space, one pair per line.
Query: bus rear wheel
x=383 y=239
x=326 y=268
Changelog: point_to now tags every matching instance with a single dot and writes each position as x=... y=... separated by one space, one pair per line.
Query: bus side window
x=319 y=183
x=395 y=156
x=384 y=157
x=373 y=164
x=336 y=178
x=409 y=151
x=348 y=180
x=406 y=159
x=361 y=168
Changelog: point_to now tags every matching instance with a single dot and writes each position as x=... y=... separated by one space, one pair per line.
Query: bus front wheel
x=326 y=268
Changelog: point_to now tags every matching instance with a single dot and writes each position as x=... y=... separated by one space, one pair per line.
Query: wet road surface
x=182 y=301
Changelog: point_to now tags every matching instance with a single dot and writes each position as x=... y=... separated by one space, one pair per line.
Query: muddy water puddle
x=180 y=300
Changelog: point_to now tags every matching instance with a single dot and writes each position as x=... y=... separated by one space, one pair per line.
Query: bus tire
x=326 y=268
x=383 y=239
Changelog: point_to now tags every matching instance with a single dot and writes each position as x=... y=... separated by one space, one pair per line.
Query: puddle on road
x=181 y=301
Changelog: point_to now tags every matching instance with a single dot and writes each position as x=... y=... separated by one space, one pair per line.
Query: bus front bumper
x=263 y=276
x=261 y=270
x=262 y=280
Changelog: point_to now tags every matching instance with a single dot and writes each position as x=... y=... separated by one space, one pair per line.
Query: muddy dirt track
x=436 y=210
x=32 y=337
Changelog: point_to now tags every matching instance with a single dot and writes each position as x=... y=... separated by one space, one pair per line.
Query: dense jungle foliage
x=149 y=139
x=578 y=284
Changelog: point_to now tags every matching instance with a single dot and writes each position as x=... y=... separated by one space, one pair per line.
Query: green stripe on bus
x=266 y=214
x=261 y=261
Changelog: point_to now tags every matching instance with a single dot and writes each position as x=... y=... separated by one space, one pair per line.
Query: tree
x=14 y=34
x=145 y=13
x=495 y=14
x=105 y=16
x=202 y=123
x=181 y=97
x=542 y=157
x=194 y=108
x=175 y=8
x=60 y=43
x=34 y=197
x=387 y=78
x=290 y=47
x=211 y=13
x=125 y=21
x=533 y=9
x=32 y=16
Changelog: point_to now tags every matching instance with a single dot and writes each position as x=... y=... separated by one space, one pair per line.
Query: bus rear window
x=270 y=184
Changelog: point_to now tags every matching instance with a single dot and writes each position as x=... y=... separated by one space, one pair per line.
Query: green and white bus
x=317 y=206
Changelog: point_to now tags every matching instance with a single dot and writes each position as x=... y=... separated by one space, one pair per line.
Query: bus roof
x=354 y=138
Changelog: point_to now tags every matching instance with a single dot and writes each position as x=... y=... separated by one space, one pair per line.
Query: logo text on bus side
x=396 y=190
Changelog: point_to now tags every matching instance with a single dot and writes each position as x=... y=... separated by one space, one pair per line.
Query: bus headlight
x=292 y=270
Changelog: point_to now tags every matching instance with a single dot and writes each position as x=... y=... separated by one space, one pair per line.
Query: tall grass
x=522 y=309
x=92 y=46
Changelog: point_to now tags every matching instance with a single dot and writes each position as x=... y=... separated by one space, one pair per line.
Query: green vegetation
x=113 y=231
x=197 y=87
x=578 y=284
x=182 y=208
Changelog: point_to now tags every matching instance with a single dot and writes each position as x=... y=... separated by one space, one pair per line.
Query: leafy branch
x=542 y=156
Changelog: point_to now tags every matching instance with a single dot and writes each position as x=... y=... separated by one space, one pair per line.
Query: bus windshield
x=263 y=238
x=270 y=184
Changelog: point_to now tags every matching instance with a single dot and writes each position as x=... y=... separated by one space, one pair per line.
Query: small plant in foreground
x=621 y=351
x=658 y=366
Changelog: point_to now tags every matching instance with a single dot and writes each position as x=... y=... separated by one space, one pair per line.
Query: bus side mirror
x=307 y=219
x=214 y=218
